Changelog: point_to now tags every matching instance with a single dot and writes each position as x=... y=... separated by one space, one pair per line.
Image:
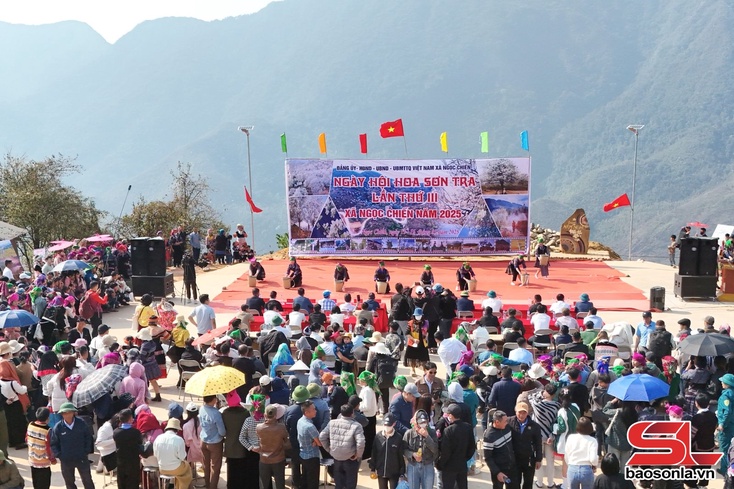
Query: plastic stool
x=165 y=480
x=326 y=463
x=150 y=475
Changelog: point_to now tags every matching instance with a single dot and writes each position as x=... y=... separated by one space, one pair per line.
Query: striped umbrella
x=100 y=382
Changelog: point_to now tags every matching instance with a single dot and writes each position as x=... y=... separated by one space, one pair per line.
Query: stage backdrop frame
x=441 y=207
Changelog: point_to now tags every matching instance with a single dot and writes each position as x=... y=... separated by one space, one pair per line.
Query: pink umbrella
x=60 y=245
x=697 y=224
x=99 y=238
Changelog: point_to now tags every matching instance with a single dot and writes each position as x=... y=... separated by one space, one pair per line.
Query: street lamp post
x=635 y=129
x=246 y=130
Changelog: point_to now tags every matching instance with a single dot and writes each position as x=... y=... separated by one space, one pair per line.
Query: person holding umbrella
x=725 y=415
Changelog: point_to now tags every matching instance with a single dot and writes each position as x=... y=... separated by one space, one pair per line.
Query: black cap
x=389 y=420
x=421 y=415
x=454 y=410
x=685 y=322
x=647 y=314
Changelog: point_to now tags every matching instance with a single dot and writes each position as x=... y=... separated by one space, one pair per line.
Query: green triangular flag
x=485 y=142
x=283 y=144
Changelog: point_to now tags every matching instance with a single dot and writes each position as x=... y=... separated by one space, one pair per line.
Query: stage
x=572 y=278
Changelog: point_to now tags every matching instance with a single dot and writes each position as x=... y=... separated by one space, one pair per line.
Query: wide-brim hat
x=376 y=337
x=173 y=424
x=181 y=319
x=491 y=370
x=314 y=389
x=144 y=334
x=300 y=394
x=380 y=348
x=299 y=366
x=15 y=347
x=5 y=348
x=536 y=371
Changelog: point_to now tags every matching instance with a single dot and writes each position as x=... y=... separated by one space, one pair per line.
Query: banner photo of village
x=408 y=207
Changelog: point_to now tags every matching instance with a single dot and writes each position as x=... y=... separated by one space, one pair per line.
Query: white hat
x=419 y=290
x=299 y=366
x=376 y=337
x=536 y=371
x=380 y=348
x=24 y=275
x=618 y=362
x=491 y=370
x=144 y=334
x=191 y=407
x=15 y=347
x=265 y=380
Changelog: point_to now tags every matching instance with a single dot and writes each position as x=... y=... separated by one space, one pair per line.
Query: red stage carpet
x=571 y=278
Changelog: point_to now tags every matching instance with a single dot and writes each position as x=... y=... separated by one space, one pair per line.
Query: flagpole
x=246 y=130
x=635 y=128
x=405 y=144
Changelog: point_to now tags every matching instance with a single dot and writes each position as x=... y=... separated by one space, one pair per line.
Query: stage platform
x=572 y=278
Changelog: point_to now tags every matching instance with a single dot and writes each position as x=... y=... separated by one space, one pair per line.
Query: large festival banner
x=408 y=207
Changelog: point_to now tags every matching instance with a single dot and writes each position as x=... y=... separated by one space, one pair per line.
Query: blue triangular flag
x=524 y=141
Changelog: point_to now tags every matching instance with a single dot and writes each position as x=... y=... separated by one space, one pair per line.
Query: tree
x=33 y=196
x=500 y=174
x=188 y=207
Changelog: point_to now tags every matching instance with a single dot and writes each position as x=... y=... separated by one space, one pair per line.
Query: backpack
x=387 y=368
x=86 y=308
x=659 y=343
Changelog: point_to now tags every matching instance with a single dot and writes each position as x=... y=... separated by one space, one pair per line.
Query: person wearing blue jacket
x=402 y=407
x=504 y=392
x=71 y=444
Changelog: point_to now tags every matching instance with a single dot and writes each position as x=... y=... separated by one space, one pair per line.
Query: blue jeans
x=420 y=476
x=580 y=477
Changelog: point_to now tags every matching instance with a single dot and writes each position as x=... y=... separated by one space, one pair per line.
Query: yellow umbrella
x=215 y=380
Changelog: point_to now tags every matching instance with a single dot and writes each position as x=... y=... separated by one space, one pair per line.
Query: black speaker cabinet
x=156 y=257
x=139 y=256
x=156 y=286
x=695 y=286
x=657 y=298
x=708 y=256
x=688 y=262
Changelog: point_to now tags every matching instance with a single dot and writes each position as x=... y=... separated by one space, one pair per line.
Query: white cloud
x=115 y=19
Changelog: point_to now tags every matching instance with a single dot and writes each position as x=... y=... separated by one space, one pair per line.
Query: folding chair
x=187 y=368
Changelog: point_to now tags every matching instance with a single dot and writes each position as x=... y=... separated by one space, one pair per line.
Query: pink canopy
x=60 y=245
x=99 y=238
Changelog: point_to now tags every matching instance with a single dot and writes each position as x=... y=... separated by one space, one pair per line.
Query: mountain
x=573 y=74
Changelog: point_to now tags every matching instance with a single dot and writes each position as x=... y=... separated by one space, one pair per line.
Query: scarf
x=258 y=406
x=316 y=353
x=282 y=357
x=371 y=380
x=400 y=382
x=347 y=382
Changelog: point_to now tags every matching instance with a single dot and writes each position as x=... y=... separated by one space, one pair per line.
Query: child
x=40 y=457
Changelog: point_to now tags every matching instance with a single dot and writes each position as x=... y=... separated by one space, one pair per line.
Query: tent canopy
x=8 y=231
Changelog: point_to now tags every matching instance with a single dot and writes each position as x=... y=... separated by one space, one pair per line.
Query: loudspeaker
x=156 y=286
x=156 y=257
x=139 y=256
x=688 y=262
x=695 y=286
x=657 y=298
x=708 y=256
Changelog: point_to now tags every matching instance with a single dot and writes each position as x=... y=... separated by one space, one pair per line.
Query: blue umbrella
x=17 y=318
x=70 y=266
x=638 y=387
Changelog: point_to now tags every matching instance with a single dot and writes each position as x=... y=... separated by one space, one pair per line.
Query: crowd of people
x=318 y=392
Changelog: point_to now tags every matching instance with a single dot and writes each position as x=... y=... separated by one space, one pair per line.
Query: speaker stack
x=697 y=270
x=148 y=260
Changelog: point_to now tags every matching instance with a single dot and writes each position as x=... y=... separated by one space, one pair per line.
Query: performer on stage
x=382 y=275
x=427 y=276
x=463 y=275
x=257 y=270
x=341 y=273
x=542 y=250
x=294 y=272
x=514 y=268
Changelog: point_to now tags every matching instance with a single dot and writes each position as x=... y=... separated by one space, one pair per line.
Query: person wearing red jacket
x=90 y=307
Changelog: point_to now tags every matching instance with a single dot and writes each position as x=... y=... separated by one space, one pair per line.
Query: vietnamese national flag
x=253 y=207
x=620 y=201
x=392 y=129
x=363 y=144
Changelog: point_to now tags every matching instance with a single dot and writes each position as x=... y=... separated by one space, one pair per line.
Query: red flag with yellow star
x=620 y=201
x=392 y=129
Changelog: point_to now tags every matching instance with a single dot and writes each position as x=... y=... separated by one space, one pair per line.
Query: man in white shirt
x=170 y=450
x=7 y=272
x=566 y=320
x=296 y=317
x=479 y=336
x=203 y=316
x=347 y=307
x=521 y=354
x=540 y=320
x=269 y=316
x=492 y=301
x=98 y=341
x=598 y=322
x=48 y=265
x=560 y=304
x=449 y=351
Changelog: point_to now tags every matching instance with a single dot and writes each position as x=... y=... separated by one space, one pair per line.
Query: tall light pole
x=246 y=130
x=635 y=128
